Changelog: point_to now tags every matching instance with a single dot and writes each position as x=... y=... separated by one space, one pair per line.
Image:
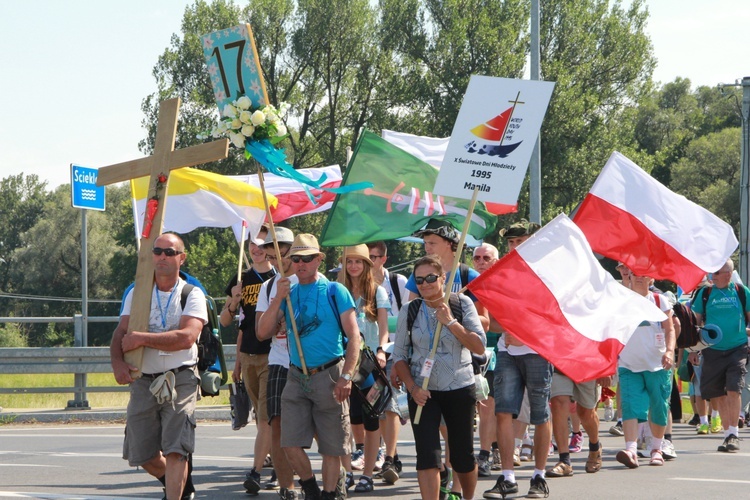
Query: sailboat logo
x=495 y=136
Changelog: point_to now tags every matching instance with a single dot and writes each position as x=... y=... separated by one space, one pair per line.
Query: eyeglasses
x=169 y=252
x=485 y=258
x=373 y=257
x=304 y=258
x=272 y=256
x=430 y=278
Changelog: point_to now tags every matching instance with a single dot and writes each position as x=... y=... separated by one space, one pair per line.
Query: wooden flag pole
x=242 y=253
x=447 y=296
x=272 y=230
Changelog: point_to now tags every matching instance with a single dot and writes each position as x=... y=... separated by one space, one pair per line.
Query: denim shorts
x=513 y=374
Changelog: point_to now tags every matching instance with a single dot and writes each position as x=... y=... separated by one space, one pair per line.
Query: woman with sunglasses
x=372 y=306
x=450 y=392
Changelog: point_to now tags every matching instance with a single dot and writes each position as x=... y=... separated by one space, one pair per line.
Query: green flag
x=400 y=202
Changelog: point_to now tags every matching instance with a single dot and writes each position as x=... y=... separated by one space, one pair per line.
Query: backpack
x=210 y=348
x=707 y=291
x=689 y=329
x=393 y=278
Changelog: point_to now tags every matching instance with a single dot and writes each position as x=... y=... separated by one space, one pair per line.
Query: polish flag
x=630 y=217
x=553 y=295
x=293 y=200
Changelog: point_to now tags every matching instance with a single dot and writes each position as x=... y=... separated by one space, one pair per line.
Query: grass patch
x=60 y=400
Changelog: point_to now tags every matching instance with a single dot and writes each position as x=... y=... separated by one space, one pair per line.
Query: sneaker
x=609 y=413
x=349 y=481
x=483 y=466
x=731 y=444
x=527 y=452
x=310 y=491
x=252 y=482
x=273 y=483
x=358 y=459
x=741 y=423
x=446 y=483
x=286 y=494
x=398 y=465
x=364 y=485
x=501 y=489
x=560 y=470
x=656 y=458
x=696 y=420
x=388 y=472
x=340 y=491
x=716 y=426
x=538 y=489
x=594 y=462
x=379 y=461
x=703 y=429
x=497 y=462
x=627 y=458
x=667 y=450
x=576 y=440
x=268 y=462
x=453 y=496
x=516 y=457
x=616 y=430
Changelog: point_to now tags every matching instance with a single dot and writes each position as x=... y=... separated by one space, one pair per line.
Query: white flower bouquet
x=241 y=123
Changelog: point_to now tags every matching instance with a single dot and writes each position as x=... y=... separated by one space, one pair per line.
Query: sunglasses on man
x=485 y=258
x=304 y=258
x=169 y=252
x=430 y=278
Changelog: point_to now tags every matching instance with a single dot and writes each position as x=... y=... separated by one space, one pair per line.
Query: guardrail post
x=79 y=402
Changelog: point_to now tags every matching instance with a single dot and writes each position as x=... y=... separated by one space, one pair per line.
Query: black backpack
x=689 y=329
x=210 y=348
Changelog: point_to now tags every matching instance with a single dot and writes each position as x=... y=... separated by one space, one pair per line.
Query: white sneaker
x=358 y=459
x=517 y=456
x=667 y=450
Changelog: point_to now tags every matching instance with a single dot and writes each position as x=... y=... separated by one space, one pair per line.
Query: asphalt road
x=56 y=461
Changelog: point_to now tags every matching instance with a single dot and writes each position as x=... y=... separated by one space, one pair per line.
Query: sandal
x=364 y=485
x=656 y=458
x=627 y=458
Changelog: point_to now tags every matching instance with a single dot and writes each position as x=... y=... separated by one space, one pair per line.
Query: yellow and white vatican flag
x=197 y=198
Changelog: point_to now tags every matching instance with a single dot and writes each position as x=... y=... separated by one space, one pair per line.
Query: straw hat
x=358 y=252
x=305 y=244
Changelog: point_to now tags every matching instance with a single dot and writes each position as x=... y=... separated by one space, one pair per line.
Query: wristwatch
x=346 y=377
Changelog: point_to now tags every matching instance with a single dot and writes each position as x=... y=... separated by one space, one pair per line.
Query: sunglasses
x=304 y=258
x=430 y=278
x=485 y=258
x=169 y=252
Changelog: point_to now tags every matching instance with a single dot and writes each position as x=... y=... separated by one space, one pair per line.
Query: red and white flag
x=293 y=200
x=431 y=150
x=630 y=217
x=554 y=296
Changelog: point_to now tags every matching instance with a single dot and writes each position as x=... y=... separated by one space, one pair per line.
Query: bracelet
x=451 y=322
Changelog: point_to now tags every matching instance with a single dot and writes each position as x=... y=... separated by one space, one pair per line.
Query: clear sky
x=75 y=71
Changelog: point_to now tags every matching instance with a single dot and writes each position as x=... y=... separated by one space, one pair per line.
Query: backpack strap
x=706 y=292
x=463 y=274
x=184 y=294
x=393 y=278
x=453 y=301
x=269 y=286
x=741 y=294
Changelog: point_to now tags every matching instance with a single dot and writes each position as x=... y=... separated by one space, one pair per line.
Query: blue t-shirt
x=725 y=311
x=411 y=285
x=318 y=328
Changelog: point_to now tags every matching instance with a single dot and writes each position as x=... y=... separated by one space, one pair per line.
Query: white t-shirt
x=647 y=345
x=165 y=316
x=279 y=353
x=401 y=280
x=367 y=328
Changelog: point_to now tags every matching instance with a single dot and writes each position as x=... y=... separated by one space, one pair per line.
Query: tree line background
x=347 y=65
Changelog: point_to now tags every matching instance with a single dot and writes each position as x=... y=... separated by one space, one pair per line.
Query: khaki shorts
x=254 y=369
x=310 y=409
x=152 y=428
x=586 y=394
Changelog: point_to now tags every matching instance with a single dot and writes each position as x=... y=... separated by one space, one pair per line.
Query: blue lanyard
x=427 y=323
x=166 y=308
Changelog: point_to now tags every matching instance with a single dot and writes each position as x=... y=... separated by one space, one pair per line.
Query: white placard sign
x=493 y=138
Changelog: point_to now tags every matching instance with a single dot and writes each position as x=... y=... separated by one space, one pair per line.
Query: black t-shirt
x=251 y=282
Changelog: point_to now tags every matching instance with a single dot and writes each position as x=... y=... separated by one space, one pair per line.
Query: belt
x=317 y=369
x=173 y=370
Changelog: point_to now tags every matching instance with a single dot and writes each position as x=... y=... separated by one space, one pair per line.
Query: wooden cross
x=164 y=159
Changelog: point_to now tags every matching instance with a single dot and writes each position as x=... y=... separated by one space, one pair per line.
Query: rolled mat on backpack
x=709 y=335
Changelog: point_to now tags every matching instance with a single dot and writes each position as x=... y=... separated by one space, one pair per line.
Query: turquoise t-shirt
x=725 y=311
x=317 y=326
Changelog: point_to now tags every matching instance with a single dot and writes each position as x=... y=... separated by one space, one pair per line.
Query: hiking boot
x=252 y=482
x=496 y=462
x=594 y=462
x=627 y=458
x=616 y=430
x=731 y=444
x=358 y=459
x=286 y=494
x=446 y=482
x=538 y=489
x=483 y=465
x=716 y=426
x=696 y=420
x=364 y=485
x=388 y=472
x=560 y=470
x=576 y=440
x=501 y=489
x=703 y=429
x=667 y=450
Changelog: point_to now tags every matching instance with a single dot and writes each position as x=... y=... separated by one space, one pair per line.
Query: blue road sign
x=85 y=192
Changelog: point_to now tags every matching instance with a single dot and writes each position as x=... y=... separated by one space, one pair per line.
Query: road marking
x=708 y=480
x=54 y=496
